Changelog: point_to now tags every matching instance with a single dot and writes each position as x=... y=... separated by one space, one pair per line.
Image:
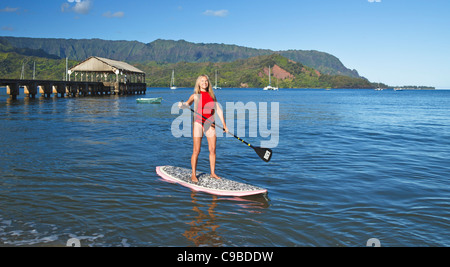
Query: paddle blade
x=264 y=153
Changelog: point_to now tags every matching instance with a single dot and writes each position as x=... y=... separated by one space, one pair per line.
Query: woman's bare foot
x=213 y=175
x=194 y=178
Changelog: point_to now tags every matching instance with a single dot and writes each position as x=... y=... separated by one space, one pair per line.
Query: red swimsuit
x=205 y=108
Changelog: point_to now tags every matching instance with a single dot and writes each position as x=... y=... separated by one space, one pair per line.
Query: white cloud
x=119 y=14
x=374 y=1
x=9 y=9
x=80 y=7
x=218 y=13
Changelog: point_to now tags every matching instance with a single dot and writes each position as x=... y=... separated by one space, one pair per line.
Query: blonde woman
x=205 y=103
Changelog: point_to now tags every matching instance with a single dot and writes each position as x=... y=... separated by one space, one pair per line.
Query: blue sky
x=398 y=42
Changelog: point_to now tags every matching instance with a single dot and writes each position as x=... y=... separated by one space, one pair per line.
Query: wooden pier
x=94 y=76
x=70 y=89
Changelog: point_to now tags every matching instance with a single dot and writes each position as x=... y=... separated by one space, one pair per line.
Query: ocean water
x=349 y=165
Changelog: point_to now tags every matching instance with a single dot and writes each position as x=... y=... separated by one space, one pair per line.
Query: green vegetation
x=172 y=52
x=248 y=72
x=5 y=47
x=48 y=67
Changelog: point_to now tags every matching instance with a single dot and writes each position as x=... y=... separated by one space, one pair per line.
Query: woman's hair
x=210 y=89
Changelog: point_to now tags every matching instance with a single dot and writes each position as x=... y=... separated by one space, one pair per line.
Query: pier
x=92 y=77
x=70 y=89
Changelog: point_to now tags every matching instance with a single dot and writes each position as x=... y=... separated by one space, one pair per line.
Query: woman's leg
x=212 y=141
x=197 y=140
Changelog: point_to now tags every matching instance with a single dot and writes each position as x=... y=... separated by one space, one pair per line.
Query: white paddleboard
x=221 y=187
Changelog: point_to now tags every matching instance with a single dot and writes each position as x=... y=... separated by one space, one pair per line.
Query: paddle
x=264 y=153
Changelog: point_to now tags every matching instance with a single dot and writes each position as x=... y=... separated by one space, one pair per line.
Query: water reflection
x=204 y=228
x=253 y=204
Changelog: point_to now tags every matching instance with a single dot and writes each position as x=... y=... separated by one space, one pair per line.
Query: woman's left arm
x=219 y=110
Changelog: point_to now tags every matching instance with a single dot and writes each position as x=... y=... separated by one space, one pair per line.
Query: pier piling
x=12 y=89
x=31 y=90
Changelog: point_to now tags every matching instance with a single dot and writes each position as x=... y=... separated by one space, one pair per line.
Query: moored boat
x=155 y=100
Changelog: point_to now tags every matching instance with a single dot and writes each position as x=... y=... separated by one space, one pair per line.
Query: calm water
x=350 y=165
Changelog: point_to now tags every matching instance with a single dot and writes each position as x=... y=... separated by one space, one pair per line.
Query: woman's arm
x=220 y=114
x=187 y=103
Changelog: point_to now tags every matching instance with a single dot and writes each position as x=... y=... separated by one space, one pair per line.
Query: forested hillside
x=166 y=51
x=48 y=67
x=252 y=72
x=249 y=72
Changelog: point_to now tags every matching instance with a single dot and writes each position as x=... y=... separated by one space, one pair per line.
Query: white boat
x=378 y=88
x=172 y=81
x=215 y=87
x=270 y=87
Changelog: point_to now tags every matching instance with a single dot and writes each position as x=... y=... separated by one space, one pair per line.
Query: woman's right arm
x=186 y=104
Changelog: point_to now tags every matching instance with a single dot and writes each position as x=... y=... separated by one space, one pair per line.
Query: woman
x=206 y=105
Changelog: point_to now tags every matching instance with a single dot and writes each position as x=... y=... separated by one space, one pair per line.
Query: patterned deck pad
x=206 y=181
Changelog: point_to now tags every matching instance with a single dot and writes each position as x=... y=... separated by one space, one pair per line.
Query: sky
x=397 y=42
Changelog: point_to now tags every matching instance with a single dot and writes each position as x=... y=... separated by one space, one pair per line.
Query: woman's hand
x=225 y=129
x=182 y=105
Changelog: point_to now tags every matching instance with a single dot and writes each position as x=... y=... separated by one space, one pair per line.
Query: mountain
x=48 y=67
x=5 y=47
x=251 y=72
x=168 y=51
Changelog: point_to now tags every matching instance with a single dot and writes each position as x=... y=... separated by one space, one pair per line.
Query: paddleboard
x=221 y=187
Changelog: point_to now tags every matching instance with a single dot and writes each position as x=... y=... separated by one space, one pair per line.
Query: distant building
x=120 y=76
x=97 y=69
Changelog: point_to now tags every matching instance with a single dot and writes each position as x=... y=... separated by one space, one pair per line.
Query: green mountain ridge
x=169 y=51
x=6 y=48
x=251 y=72
x=248 y=72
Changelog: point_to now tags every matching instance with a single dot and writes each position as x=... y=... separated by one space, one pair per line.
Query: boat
x=172 y=81
x=378 y=88
x=215 y=87
x=155 y=100
x=270 y=87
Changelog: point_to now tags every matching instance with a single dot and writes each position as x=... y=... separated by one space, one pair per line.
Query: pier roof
x=99 y=64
